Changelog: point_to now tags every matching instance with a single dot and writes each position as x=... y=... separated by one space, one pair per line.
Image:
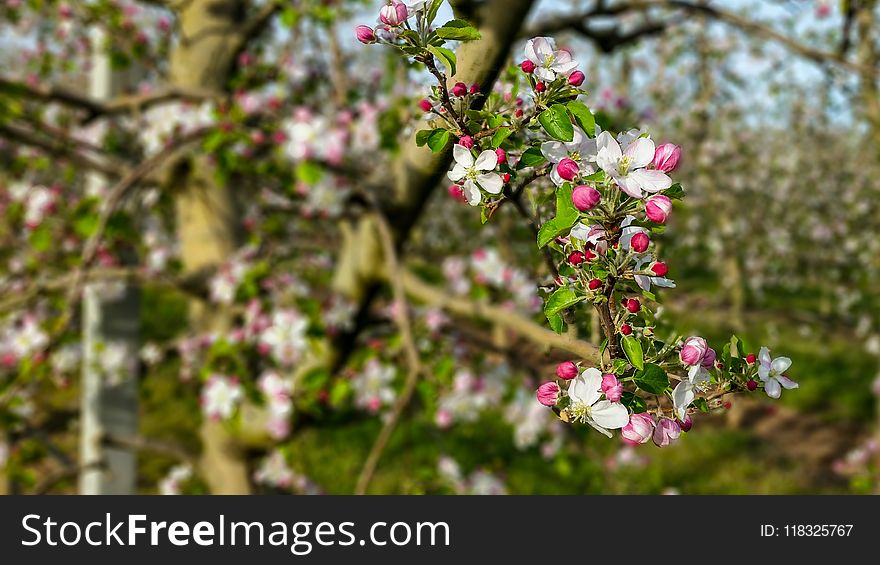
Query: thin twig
x=401 y=310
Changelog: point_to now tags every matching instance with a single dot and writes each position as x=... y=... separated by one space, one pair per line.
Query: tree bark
x=208 y=218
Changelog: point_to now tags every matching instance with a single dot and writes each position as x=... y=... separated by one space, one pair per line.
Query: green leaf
x=632 y=347
x=675 y=192
x=566 y=216
x=438 y=139
x=458 y=30
x=560 y=300
x=700 y=404
x=531 y=158
x=444 y=55
x=422 y=136
x=500 y=136
x=619 y=366
x=634 y=402
x=556 y=123
x=557 y=324
x=309 y=173
x=652 y=379
x=583 y=117
x=432 y=11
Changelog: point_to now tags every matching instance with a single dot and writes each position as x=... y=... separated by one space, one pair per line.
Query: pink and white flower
x=771 y=372
x=475 y=173
x=548 y=61
x=627 y=167
x=585 y=393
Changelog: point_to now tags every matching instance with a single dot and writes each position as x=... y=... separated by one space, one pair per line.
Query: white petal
x=643 y=282
x=651 y=180
x=457 y=173
x=487 y=161
x=780 y=364
x=529 y=51
x=787 y=382
x=554 y=151
x=554 y=176
x=545 y=74
x=682 y=395
x=610 y=415
x=599 y=428
x=663 y=282
x=472 y=193
x=564 y=67
x=491 y=182
x=580 y=231
x=630 y=186
x=764 y=356
x=641 y=152
x=586 y=387
x=773 y=388
x=543 y=47
x=763 y=372
x=606 y=142
x=463 y=155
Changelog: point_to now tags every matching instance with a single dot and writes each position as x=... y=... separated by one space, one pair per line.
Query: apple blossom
x=666 y=157
x=475 y=173
x=220 y=396
x=394 y=13
x=576 y=258
x=528 y=67
x=581 y=149
x=502 y=156
x=686 y=423
x=633 y=306
x=657 y=208
x=639 y=429
x=752 y=384
x=365 y=34
x=585 y=198
x=666 y=431
x=611 y=387
x=548 y=393
x=425 y=105
x=585 y=392
x=576 y=78
x=659 y=268
x=640 y=242
x=627 y=168
x=548 y=61
x=626 y=329
x=771 y=372
x=567 y=169
x=466 y=141
x=594 y=284
x=693 y=350
x=459 y=89
x=566 y=370
x=540 y=87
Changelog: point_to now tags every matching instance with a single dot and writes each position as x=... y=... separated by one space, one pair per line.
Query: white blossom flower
x=548 y=61
x=373 y=386
x=581 y=149
x=627 y=168
x=771 y=372
x=585 y=392
x=274 y=471
x=286 y=337
x=475 y=173
x=171 y=483
x=220 y=397
x=645 y=281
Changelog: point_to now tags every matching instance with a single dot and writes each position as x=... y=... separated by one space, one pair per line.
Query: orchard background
x=232 y=260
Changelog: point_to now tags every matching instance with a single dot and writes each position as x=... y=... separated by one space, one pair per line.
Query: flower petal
x=463 y=156
x=780 y=364
x=487 y=161
x=491 y=182
x=554 y=151
x=641 y=152
x=773 y=388
x=457 y=173
x=472 y=193
x=545 y=74
x=610 y=415
x=682 y=395
x=764 y=357
x=630 y=186
x=786 y=382
x=651 y=180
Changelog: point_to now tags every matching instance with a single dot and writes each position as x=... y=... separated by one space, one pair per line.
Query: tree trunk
x=108 y=406
x=208 y=218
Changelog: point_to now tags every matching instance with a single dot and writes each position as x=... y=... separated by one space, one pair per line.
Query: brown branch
x=576 y=23
x=509 y=319
x=395 y=276
x=139 y=443
x=58 y=150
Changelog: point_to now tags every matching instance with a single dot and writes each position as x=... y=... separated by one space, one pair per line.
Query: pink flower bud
x=576 y=258
x=506 y=178
x=639 y=429
x=752 y=384
x=640 y=242
x=457 y=192
x=548 y=393
x=519 y=113
x=567 y=169
x=611 y=387
x=633 y=306
x=466 y=141
x=365 y=34
x=566 y=370
x=687 y=423
x=425 y=105
x=657 y=208
x=528 y=67
x=666 y=432
x=460 y=89
x=666 y=157
x=501 y=155
x=626 y=329
x=393 y=14
x=660 y=269
x=709 y=359
x=585 y=197
x=540 y=87
x=750 y=358
x=475 y=89
x=576 y=78
x=594 y=284
x=692 y=351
